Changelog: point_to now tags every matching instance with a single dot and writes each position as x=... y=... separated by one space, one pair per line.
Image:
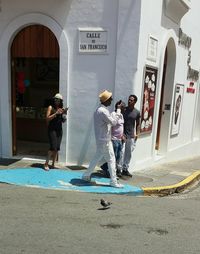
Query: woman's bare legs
x=54 y=157
x=46 y=165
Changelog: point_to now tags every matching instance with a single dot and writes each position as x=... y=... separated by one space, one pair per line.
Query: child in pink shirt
x=117 y=132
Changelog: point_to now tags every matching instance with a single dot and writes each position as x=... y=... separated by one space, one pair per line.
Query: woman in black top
x=55 y=116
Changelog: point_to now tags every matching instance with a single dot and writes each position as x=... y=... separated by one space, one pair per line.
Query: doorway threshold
x=30 y=158
x=158 y=156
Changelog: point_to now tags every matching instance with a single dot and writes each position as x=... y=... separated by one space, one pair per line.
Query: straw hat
x=58 y=96
x=104 y=96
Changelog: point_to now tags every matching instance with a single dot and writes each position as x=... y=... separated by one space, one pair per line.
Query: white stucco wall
x=192 y=28
x=89 y=74
x=189 y=108
x=5 y=72
x=149 y=25
x=163 y=29
x=82 y=76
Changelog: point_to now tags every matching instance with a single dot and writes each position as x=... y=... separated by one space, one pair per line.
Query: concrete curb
x=171 y=189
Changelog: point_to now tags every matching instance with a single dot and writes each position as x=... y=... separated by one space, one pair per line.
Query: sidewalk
x=163 y=179
x=168 y=178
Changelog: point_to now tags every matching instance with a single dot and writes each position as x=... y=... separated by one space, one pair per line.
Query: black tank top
x=55 y=123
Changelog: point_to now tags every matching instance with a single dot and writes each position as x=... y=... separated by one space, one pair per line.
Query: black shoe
x=119 y=173
x=104 y=168
x=126 y=173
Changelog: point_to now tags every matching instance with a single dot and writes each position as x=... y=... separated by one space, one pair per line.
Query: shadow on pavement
x=80 y=182
x=76 y=167
x=7 y=162
x=37 y=165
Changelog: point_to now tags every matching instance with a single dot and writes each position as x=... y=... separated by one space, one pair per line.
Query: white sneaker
x=86 y=178
x=116 y=185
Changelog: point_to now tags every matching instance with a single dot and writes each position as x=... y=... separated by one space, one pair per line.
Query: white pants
x=104 y=151
x=129 y=147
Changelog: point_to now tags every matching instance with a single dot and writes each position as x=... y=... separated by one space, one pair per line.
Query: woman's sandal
x=46 y=167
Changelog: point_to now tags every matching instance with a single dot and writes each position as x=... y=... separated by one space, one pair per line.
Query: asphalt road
x=54 y=222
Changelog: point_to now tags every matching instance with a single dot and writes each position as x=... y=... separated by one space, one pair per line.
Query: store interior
x=36 y=81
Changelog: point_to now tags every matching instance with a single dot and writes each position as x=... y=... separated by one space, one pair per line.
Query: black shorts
x=55 y=138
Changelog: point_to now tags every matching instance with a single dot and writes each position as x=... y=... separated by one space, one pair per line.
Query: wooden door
x=35 y=41
x=13 y=99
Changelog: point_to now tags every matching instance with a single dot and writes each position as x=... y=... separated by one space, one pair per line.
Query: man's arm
x=137 y=128
x=111 y=118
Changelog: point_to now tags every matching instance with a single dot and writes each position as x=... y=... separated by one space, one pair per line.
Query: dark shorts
x=55 y=138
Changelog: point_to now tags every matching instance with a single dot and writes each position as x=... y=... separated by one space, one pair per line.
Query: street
x=48 y=221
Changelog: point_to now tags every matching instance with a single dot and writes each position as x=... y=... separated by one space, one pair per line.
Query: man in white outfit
x=103 y=121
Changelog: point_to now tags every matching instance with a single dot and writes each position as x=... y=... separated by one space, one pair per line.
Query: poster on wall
x=178 y=101
x=148 y=98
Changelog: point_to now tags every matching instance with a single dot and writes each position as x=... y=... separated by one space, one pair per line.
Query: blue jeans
x=117 y=147
x=129 y=148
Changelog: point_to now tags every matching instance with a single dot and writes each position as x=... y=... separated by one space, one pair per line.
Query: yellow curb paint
x=170 y=189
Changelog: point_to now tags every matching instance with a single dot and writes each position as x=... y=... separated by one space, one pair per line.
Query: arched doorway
x=35 y=79
x=166 y=94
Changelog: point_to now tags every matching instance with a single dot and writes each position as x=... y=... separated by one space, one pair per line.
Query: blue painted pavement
x=62 y=180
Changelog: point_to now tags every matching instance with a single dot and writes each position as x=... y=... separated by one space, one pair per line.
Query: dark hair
x=118 y=103
x=134 y=96
x=53 y=102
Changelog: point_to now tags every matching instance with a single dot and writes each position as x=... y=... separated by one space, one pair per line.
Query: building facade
x=80 y=47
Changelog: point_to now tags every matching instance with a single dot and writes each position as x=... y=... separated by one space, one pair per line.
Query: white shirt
x=103 y=122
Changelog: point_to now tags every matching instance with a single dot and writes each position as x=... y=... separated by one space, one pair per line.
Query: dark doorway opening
x=35 y=79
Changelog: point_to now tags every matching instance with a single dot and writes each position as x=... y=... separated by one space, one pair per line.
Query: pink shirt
x=118 y=129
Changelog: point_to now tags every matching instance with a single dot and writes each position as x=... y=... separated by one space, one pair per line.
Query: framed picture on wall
x=152 y=48
x=148 y=98
x=177 y=107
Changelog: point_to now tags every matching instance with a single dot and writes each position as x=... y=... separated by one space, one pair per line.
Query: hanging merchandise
x=20 y=82
x=27 y=82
